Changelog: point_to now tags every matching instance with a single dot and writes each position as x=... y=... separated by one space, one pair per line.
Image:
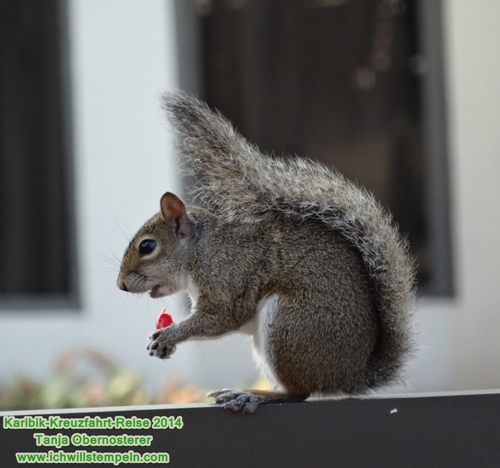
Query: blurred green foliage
x=88 y=379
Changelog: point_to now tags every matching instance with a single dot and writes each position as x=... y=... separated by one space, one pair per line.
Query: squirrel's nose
x=122 y=286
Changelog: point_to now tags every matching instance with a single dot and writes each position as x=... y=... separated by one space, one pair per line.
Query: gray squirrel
x=286 y=250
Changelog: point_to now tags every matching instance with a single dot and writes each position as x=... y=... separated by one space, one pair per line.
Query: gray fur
x=237 y=182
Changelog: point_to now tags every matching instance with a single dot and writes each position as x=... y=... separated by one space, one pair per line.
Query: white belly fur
x=259 y=328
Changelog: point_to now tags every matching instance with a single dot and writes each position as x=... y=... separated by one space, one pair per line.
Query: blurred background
x=399 y=95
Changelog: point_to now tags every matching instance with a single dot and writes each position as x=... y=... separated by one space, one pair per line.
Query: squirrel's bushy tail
x=235 y=180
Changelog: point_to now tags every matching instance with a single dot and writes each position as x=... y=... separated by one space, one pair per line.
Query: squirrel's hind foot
x=247 y=401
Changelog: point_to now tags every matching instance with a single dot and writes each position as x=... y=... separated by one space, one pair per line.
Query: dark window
x=37 y=264
x=355 y=84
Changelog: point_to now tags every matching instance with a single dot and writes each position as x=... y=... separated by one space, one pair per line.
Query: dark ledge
x=425 y=430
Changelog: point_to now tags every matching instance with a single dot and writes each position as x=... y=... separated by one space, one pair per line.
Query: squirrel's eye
x=147 y=246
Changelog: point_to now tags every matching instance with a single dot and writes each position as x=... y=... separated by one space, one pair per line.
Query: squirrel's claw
x=236 y=400
x=219 y=395
x=161 y=344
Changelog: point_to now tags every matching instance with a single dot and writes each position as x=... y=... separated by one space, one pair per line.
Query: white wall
x=473 y=62
x=123 y=55
x=460 y=345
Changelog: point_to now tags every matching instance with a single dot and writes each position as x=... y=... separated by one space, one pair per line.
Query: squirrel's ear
x=174 y=211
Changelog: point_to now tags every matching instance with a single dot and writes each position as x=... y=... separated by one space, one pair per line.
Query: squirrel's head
x=156 y=258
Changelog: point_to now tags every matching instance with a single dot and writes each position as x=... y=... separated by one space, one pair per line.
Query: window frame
x=71 y=300
x=437 y=200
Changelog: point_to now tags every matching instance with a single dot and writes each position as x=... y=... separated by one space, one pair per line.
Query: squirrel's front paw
x=161 y=343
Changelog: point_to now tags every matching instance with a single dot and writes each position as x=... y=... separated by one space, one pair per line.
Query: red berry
x=164 y=320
